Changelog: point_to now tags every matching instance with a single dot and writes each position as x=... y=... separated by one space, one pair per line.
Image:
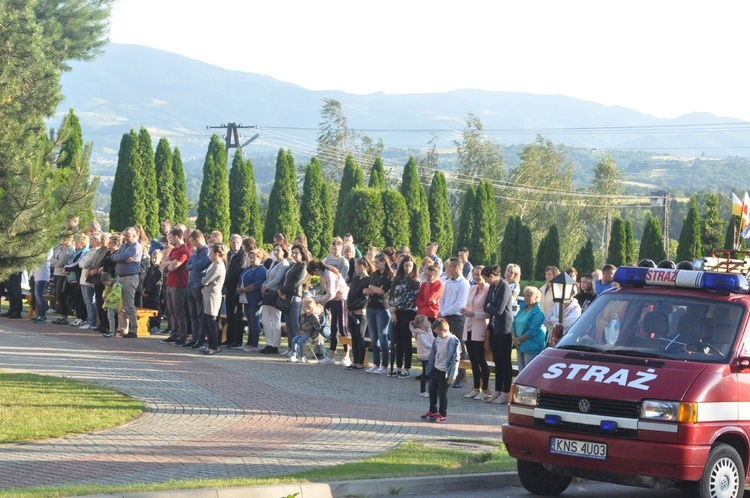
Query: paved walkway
x=229 y=415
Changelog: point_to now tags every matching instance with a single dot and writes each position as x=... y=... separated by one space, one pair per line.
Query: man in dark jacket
x=237 y=264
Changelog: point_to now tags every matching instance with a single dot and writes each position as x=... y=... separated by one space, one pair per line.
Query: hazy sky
x=661 y=57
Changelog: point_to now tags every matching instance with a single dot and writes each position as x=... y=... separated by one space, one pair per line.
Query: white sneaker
x=346 y=361
x=381 y=370
x=302 y=360
x=251 y=350
x=425 y=394
x=482 y=396
x=327 y=361
x=501 y=400
x=85 y=326
x=373 y=369
x=292 y=359
x=472 y=394
x=77 y=322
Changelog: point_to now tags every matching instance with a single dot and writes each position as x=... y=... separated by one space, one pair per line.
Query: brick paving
x=229 y=415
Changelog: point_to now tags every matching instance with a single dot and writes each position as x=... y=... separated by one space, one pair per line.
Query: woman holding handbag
x=270 y=316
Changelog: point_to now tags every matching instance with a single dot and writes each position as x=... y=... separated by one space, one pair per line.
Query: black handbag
x=269 y=298
x=284 y=304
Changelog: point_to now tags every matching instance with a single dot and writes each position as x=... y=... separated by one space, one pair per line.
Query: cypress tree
x=283 y=207
x=416 y=202
x=377 y=175
x=315 y=210
x=509 y=246
x=213 y=203
x=629 y=243
x=366 y=216
x=617 y=242
x=351 y=178
x=541 y=258
x=244 y=209
x=689 y=244
x=396 y=223
x=71 y=150
x=525 y=249
x=181 y=206
x=652 y=242
x=465 y=230
x=553 y=247
x=149 y=195
x=441 y=227
x=711 y=225
x=124 y=210
x=484 y=247
x=164 y=179
x=584 y=260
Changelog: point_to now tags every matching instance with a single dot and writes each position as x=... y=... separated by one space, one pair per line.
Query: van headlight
x=524 y=395
x=669 y=411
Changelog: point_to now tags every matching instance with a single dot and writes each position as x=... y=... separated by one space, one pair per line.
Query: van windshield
x=657 y=325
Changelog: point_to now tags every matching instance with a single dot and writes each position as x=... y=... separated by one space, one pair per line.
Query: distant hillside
x=129 y=86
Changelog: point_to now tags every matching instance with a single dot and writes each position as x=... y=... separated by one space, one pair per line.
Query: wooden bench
x=32 y=308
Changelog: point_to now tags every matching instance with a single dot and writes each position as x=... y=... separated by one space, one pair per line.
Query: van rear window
x=657 y=325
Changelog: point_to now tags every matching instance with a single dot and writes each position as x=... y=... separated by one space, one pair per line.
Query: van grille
x=605 y=407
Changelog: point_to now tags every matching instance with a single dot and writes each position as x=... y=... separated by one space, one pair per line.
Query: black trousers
x=502 y=346
x=337 y=322
x=235 y=322
x=403 y=338
x=438 y=392
x=479 y=368
x=357 y=329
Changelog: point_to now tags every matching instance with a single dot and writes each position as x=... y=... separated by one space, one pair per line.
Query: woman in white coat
x=212 y=285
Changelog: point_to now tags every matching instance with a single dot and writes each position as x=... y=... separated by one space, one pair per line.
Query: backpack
x=325 y=324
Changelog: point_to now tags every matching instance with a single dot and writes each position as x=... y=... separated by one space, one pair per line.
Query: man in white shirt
x=455 y=296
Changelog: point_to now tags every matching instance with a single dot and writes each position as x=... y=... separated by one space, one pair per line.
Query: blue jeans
x=41 y=303
x=252 y=313
x=299 y=342
x=524 y=359
x=378 y=322
x=88 y=299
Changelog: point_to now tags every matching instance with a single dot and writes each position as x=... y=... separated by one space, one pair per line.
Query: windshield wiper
x=581 y=347
x=637 y=352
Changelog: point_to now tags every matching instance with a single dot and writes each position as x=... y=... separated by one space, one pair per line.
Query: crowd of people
x=450 y=310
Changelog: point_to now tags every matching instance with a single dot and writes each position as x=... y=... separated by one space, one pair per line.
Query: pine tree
x=165 y=184
x=365 y=217
x=350 y=179
x=617 y=242
x=584 y=261
x=689 y=245
x=652 y=242
x=244 y=210
x=283 y=207
x=181 y=206
x=125 y=211
x=465 y=230
x=377 y=175
x=629 y=243
x=484 y=240
x=396 y=223
x=712 y=225
x=441 y=227
x=416 y=202
x=315 y=210
x=148 y=195
x=525 y=249
x=509 y=246
x=213 y=202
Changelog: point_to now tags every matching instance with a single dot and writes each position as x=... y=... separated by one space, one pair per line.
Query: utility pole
x=232 y=138
x=666 y=224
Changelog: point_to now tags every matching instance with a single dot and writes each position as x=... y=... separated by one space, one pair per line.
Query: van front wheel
x=540 y=481
x=724 y=475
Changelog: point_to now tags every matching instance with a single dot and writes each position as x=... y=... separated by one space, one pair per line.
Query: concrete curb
x=343 y=489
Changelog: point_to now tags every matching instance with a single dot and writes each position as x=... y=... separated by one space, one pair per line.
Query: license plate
x=574 y=447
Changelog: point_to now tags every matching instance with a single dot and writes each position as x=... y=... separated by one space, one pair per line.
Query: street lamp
x=563 y=287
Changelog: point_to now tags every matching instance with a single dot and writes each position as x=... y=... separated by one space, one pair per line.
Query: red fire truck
x=650 y=388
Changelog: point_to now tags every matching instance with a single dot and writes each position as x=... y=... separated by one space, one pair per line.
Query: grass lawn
x=407 y=460
x=37 y=407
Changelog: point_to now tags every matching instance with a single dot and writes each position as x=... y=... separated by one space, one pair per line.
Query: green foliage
x=712 y=225
x=541 y=257
x=333 y=140
x=125 y=210
x=148 y=195
x=416 y=202
x=283 y=207
x=315 y=210
x=350 y=179
x=584 y=260
x=629 y=243
x=213 y=203
x=652 y=242
x=244 y=209
x=689 y=247
x=365 y=216
x=165 y=184
x=478 y=156
x=396 y=223
x=616 y=250
x=549 y=253
x=483 y=248
x=181 y=206
x=377 y=175
x=72 y=149
x=509 y=245
x=465 y=229
x=525 y=249
x=441 y=228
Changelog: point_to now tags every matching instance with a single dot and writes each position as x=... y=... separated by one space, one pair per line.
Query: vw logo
x=584 y=405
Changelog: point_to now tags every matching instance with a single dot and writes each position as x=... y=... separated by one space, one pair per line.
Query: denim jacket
x=453 y=353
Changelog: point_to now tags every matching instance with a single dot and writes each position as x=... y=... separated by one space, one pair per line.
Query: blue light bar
x=550 y=419
x=686 y=279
